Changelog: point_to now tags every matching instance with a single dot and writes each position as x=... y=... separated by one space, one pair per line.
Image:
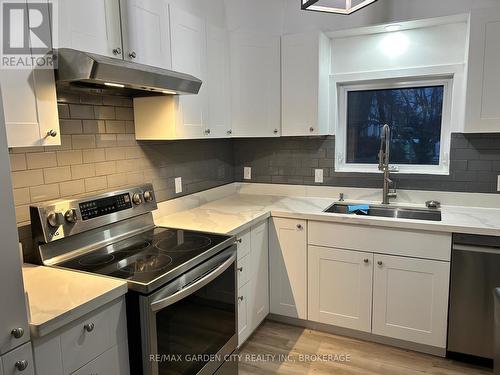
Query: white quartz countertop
x=236 y=212
x=57 y=297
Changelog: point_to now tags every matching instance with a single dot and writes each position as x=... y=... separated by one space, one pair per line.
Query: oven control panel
x=105 y=206
x=60 y=219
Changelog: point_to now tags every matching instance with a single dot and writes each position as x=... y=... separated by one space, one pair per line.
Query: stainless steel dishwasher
x=475 y=273
x=497 y=331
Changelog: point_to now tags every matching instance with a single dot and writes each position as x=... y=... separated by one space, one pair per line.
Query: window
x=418 y=115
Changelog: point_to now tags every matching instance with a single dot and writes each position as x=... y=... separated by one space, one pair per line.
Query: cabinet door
x=340 y=287
x=146 y=32
x=112 y=362
x=91 y=25
x=288 y=267
x=255 y=79
x=30 y=105
x=13 y=312
x=243 y=316
x=410 y=299
x=305 y=114
x=22 y=353
x=483 y=87
x=259 y=275
x=218 y=82
x=189 y=56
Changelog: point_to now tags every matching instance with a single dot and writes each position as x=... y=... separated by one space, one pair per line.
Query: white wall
x=430 y=46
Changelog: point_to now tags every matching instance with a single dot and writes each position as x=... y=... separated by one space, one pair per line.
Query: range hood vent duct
x=88 y=70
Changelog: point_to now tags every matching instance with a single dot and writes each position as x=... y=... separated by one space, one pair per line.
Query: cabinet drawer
x=243 y=241
x=93 y=335
x=112 y=362
x=418 y=244
x=23 y=353
x=243 y=270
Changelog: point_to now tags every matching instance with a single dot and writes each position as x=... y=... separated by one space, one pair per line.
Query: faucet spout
x=383 y=163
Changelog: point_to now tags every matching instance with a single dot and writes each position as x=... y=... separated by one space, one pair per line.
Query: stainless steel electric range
x=182 y=302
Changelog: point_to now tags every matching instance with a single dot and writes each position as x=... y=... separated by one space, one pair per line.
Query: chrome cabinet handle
x=299 y=226
x=117 y=51
x=241 y=298
x=240 y=269
x=89 y=327
x=311 y=129
x=380 y=263
x=52 y=133
x=239 y=240
x=207 y=131
x=132 y=55
x=21 y=365
x=275 y=131
x=366 y=260
x=17 y=333
x=229 y=132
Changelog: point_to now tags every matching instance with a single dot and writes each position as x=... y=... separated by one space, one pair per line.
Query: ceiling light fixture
x=335 y=6
x=111 y=84
x=392 y=28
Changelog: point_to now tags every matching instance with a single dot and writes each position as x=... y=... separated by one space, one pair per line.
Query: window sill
x=437 y=171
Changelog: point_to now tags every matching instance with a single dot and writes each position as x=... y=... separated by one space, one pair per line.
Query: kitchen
x=231 y=186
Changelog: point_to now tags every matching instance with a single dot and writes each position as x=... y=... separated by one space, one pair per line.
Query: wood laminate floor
x=277 y=348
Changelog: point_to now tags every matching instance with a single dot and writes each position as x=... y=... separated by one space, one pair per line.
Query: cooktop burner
x=146 y=256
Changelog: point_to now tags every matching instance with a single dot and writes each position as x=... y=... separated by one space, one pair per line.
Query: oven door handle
x=193 y=287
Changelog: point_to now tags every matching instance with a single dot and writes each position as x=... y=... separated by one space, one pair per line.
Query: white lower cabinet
x=410 y=299
x=114 y=361
x=18 y=361
x=74 y=347
x=253 y=279
x=288 y=267
x=340 y=287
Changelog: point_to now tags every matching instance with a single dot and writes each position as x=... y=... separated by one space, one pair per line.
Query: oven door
x=190 y=325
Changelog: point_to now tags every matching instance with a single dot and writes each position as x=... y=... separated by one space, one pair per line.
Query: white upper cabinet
x=218 y=82
x=305 y=84
x=91 y=25
x=255 y=80
x=146 y=32
x=483 y=87
x=189 y=55
x=30 y=106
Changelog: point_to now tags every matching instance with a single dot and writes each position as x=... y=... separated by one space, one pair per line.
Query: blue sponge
x=360 y=208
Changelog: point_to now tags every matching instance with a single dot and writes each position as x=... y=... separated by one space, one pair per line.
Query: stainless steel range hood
x=87 y=70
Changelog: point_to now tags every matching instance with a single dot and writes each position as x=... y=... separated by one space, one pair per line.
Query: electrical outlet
x=498 y=184
x=247 y=173
x=178 y=185
x=318 y=176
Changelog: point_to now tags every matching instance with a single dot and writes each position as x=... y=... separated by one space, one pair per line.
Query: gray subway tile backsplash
x=99 y=152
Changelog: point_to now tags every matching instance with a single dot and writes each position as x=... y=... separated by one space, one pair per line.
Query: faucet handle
x=393 y=168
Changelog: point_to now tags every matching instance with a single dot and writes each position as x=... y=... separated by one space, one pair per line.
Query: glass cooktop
x=147 y=256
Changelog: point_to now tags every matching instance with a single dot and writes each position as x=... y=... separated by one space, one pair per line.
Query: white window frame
x=443 y=168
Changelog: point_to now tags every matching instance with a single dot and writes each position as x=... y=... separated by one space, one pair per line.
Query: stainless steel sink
x=388 y=211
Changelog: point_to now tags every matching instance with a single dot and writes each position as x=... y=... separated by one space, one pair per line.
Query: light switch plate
x=247 y=173
x=498 y=184
x=178 y=185
x=318 y=176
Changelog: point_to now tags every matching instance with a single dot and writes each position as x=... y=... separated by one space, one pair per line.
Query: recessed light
x=168 y=92
x=392 y=28
x=114 y=84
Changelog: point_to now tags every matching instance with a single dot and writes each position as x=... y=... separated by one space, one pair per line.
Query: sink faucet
x=383 y=164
